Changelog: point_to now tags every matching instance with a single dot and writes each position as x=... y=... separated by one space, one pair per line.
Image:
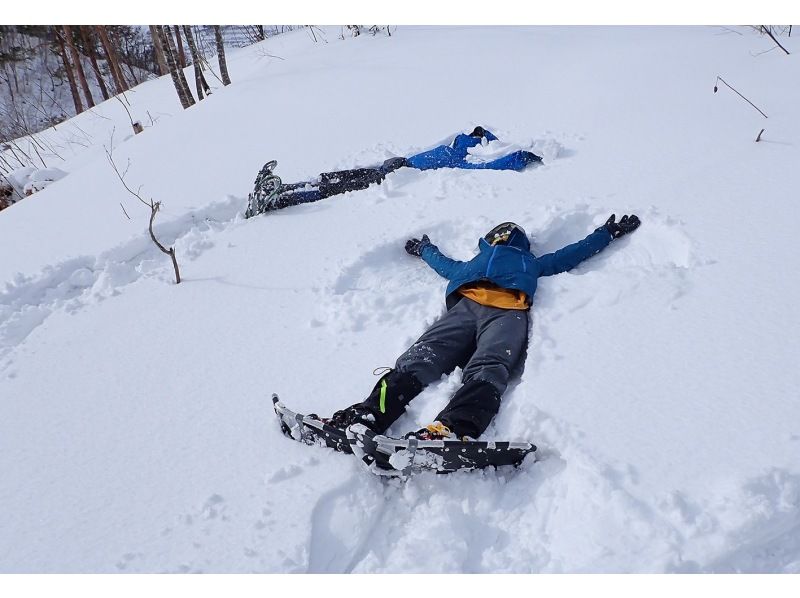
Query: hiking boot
x=345 y=418
x=266 y=188
x=435 y=431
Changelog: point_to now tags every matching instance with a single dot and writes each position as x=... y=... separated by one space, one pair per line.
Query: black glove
x=392 y=164
x=627 y=224
x=415 y=246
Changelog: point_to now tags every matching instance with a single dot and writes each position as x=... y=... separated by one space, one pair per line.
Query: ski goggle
x=502 y=233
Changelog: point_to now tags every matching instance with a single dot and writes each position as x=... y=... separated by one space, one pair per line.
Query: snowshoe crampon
x=309 y=429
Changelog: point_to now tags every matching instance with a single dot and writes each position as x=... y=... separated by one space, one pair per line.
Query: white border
x=405 y=586
x=432 y=12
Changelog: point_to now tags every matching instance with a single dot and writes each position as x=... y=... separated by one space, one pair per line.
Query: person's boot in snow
x=383 y=406
x=266 y=187
x=354 y=414
x=435 y=431
x=471 y=409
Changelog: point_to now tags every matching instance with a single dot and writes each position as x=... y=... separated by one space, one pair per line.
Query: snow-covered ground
x=661 y=385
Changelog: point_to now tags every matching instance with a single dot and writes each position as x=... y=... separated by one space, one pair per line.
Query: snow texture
x=661 y=382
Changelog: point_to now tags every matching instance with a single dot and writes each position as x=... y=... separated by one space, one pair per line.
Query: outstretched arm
x=570 y=256
x=430 y=254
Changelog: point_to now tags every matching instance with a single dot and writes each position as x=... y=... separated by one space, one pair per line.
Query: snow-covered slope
x=661 y=381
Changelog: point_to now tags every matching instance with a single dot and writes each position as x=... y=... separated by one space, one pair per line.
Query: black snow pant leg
x=388 y=400
x=471 y=409
x=342 y=181
x=448 y=343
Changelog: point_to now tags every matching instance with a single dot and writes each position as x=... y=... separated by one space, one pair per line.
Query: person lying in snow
x=485 y=330
x=456 y=155
x=271 y=194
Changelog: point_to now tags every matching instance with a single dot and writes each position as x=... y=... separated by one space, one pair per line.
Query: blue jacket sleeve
x=570 y=256
x=443 y=265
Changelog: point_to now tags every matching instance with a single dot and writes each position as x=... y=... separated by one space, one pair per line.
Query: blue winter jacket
x=512 y=265
x=455 y=156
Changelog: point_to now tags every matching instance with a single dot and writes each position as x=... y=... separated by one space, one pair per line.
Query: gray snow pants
x=488 y=343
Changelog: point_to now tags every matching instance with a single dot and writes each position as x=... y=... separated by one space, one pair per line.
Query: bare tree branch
x=740 y=95
x=153 y=205
x=768 y=31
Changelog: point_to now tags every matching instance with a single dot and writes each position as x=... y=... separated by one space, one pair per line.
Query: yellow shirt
x=491 y=295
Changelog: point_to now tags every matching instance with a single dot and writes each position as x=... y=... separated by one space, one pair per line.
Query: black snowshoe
x=266 y=188
x=401 y=457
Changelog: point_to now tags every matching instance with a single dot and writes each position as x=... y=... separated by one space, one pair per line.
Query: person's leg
x=501 y=342
x=438 y=351
x=326 y=185
x=295 y=195
x=334 y=183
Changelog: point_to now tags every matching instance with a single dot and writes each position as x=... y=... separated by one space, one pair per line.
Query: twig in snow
x=740 y=95
x=763 y=51
x=153 y=205
x=135 y=125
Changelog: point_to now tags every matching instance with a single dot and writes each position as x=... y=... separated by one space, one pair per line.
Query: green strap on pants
x=383 y=396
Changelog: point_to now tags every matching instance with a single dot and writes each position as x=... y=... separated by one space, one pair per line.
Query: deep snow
x=661 y=382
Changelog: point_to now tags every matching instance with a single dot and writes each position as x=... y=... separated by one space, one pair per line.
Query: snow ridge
x=79 y=282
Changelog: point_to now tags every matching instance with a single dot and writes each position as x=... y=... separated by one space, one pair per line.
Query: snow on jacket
x=455 y=156
x=512 y=265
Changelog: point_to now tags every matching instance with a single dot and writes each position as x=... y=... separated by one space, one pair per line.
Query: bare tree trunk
x=179 y=43
x=173 y=68
x=118 y=41
x=111 y=57
x=76 y=58
x=91 y=49
x=174 y=52
x=223 y=66
x=76 y=97
x=199 y=80
x=8 y=81
x=162 y=61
